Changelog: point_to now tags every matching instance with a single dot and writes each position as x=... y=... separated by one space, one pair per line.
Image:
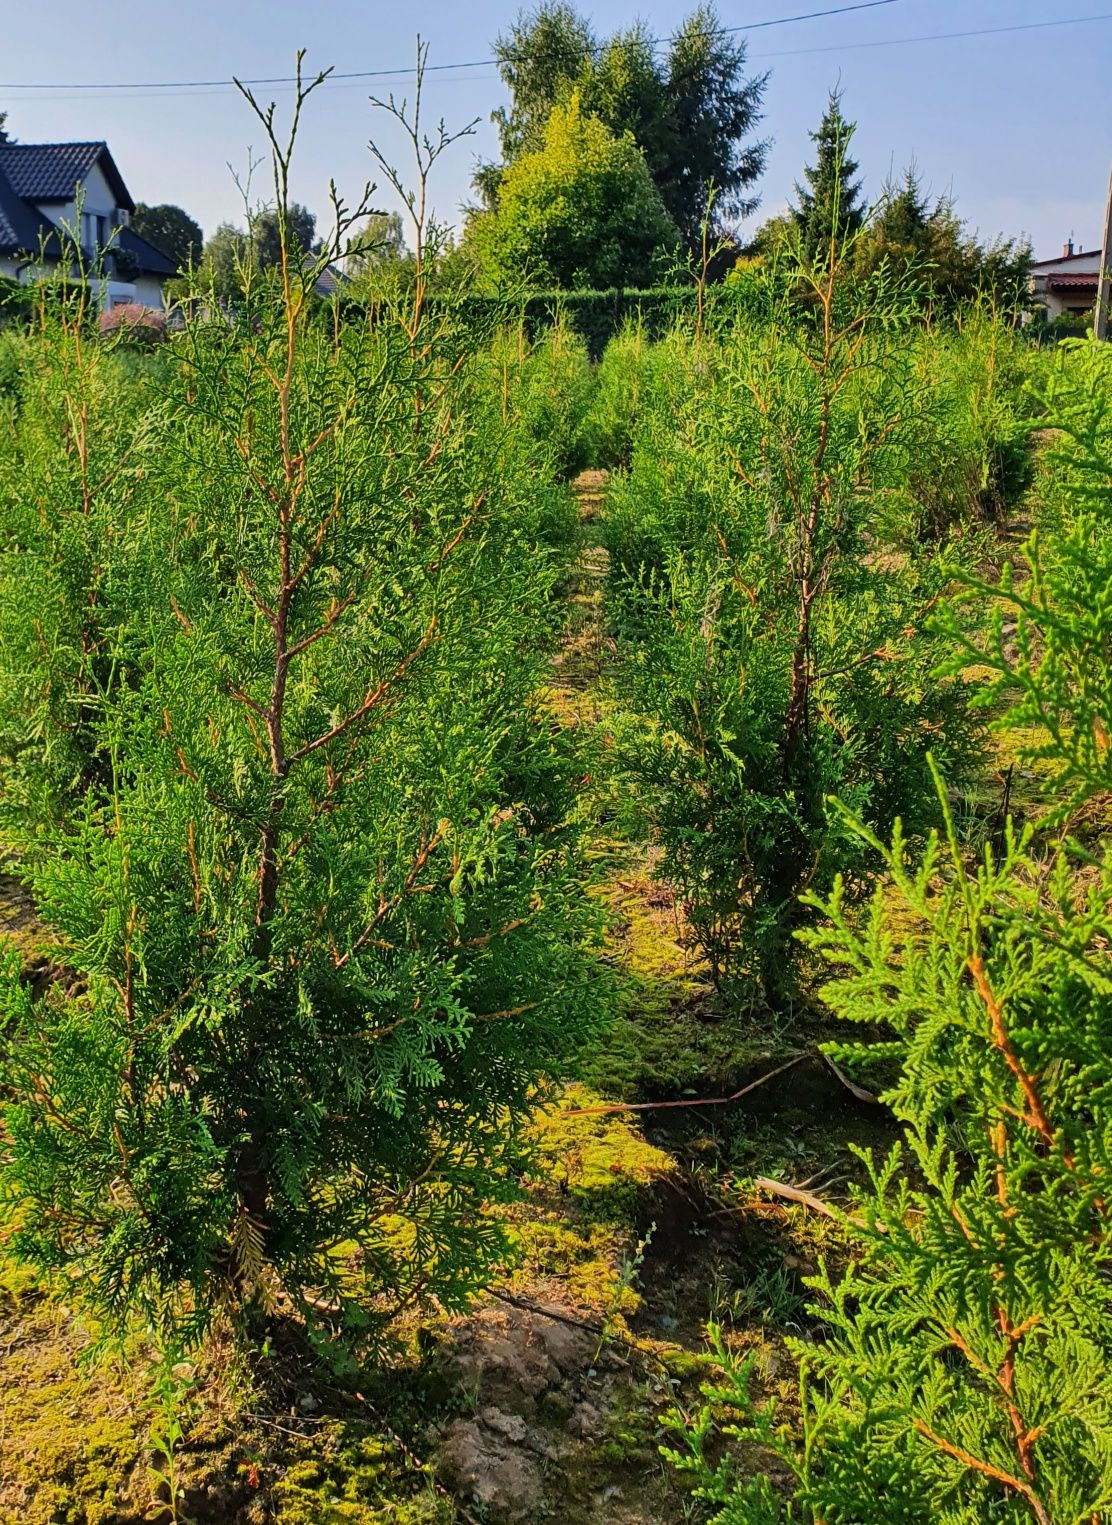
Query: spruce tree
x=904 y=212
x=931 y=245
x=829 y=209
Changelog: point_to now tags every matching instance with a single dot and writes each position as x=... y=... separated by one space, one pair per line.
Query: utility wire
x=289 y=79
x=895 y=42
x=153 y=89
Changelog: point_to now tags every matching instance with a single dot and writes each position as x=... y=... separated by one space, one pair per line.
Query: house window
x=102 y=232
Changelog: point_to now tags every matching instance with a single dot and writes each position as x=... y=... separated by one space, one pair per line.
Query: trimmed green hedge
x=595 y=315
x=19 y=302
x=16 y=301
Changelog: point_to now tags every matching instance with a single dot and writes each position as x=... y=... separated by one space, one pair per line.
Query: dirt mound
x=541 y=1388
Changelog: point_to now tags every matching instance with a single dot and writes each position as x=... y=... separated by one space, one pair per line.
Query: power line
x=895 y=42
x=481 y=63
x=157 y=89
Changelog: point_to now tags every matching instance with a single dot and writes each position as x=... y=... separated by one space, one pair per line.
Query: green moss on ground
x=354 y=1480
x=70 y=1433
x=576 y=1226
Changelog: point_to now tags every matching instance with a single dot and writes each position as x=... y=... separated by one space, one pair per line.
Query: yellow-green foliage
x=581 y=210
x=592 y=1172
x=603 y=1156
x=70 y=1433
x=669 y=1040
x=971 y=376
x=542 y=389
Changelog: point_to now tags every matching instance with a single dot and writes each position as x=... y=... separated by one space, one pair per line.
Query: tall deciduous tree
x=829 y=204
x=690 y=109
x=380 y=240
x=231 y=253
x=226 y=255
x=266 y=234
x=542 y=56
x=172 y=230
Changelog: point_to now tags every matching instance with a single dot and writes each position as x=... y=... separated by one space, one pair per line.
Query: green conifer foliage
x=77 y=547
x=966 y=1375
x=322 y=902
x=830 y=210
x=773 y=609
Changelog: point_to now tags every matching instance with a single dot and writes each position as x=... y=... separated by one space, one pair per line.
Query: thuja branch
x=1036 y=1116
x=986 y=1469
x=371 y=700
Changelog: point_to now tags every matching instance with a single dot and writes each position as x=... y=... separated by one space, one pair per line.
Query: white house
x=1067 y=286
x=58 y=194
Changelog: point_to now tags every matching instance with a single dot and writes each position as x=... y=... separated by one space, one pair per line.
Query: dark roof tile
x=51 y=171
x=22 y=229
x=150 y=260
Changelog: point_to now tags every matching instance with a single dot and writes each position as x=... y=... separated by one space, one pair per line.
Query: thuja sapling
x=78 y=542
x=324 y=907
x=777 y=647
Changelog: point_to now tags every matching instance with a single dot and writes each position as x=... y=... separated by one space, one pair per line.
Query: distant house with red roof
x=1067 y=286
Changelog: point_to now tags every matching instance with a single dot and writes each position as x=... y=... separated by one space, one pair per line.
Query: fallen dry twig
x=794 y=1194
x=705 y=1101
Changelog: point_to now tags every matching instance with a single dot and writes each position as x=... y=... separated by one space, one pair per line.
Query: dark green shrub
x=773 y=601
x=16 y=302
x=321 y=891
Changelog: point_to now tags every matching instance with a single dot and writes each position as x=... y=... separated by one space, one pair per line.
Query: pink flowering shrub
x=133 y=322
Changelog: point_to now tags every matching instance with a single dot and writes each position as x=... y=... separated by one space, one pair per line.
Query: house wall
x=97 y=200
x=1059 y=302
x=145 y=289
x=1072 y=264
x=9 y=265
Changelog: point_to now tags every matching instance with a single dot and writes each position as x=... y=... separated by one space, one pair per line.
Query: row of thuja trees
x=276 y=607
x=961 y=1372
x=777 y=543
x=815 y=640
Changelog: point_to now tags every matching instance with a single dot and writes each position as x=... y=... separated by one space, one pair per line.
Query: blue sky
x=1018 y=125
